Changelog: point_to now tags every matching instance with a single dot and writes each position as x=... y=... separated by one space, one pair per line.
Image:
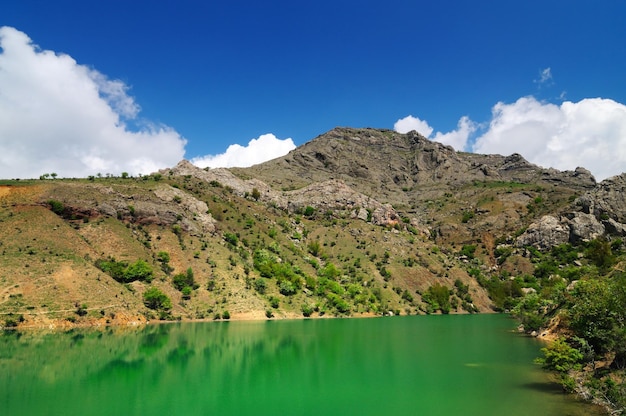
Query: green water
x=419 y=365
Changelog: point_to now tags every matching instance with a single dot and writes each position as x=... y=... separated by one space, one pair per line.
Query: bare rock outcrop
x=225 y=178
x=549 y=231
x=583 y=227
x=601 y=211
x=607 y=200
x=335 y=195
x=198 y=218
x=329 y=195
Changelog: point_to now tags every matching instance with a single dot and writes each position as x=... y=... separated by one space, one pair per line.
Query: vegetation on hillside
x=419 y=229
x=579 y=294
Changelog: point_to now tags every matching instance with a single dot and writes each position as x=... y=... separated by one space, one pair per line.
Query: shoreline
x=137 y=321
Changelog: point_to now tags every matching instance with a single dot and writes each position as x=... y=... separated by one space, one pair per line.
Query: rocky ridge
x=332 y=194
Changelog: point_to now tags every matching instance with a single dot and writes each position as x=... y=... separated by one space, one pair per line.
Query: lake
x=414 y=365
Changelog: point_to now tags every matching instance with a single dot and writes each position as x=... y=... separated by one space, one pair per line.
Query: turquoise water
x=417 y=365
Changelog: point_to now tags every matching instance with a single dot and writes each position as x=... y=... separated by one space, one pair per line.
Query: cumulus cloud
x=59 y=116
x=456 y=138
x=590 y=133
x=410 y=123
x=259 y=150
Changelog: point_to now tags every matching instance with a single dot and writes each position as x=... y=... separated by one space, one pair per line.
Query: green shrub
x=307 y=310
x=187 y=292
x=11 y=321
x=274 y=302
x=231 y=238
x=183 y=280
x=560 y=356
x=287 y=288
x=125 y=273
x=139 y=270
x=56 y=206
x=314 y=248
x=309 y=211
x=467 y=215
x=256 y=194
x=438 y=298
x=153 y=298
x=260 y=285
x=468 y=251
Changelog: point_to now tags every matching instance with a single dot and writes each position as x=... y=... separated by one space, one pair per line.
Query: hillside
x=357 y=222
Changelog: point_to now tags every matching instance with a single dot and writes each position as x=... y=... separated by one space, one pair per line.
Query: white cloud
x=410 y=123
x=590 y=133
x=456 y=138
x=59 y=116
x=266 y=147
x=545 y=76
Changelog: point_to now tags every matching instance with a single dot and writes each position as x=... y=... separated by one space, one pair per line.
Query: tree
x=256 y=194
x=438 y=296
x=153 y=298
x=598 y=313
x=600 y=253
x=139 y=270
x=560 y=356
x=260 y=285
x=125 y=273
x=183 y=280
x=314 y=248
x=56 y=206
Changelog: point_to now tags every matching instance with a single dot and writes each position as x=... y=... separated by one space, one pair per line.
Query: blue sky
x=198 y=76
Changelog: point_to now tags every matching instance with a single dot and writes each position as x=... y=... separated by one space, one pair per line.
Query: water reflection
x=439 y=365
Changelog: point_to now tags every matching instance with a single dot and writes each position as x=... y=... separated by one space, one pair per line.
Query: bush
x=125 y=273
x=467 y=215
x=81 y=310
x=307 y=310
x=231 y=238
x=338 y=303
x=139 y=270
x=309 y=211
x=597 y=313
x=260 y=285
x=56 y=206
x=274 y=302
x=314 y=248
x=287 y=288
x=468 y=251
x=187 y=292
x=12 y=321
x=183 y=280
x=256 y=194
x=561 y=357
x=438 y=297
x=153 y=298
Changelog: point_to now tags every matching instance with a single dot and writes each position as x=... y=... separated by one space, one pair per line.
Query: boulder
x=549 y=231
x=584 y=227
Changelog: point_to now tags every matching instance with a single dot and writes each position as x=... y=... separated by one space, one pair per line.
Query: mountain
x=355 y=222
